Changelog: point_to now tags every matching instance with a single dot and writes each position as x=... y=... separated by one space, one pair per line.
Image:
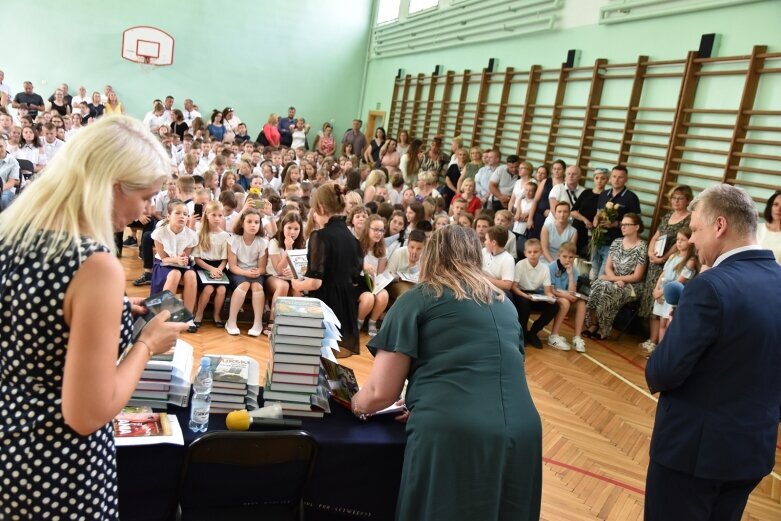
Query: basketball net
x=146 y=63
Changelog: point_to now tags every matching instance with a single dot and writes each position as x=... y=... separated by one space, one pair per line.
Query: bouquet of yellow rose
x=599 y=234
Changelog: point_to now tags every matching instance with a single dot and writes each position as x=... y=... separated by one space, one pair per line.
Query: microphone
x=672 y=292
x=243 y=420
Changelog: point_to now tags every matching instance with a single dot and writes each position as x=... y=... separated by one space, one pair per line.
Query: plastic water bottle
x=201 y=401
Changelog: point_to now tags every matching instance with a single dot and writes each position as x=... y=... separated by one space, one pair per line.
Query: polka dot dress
x=47 y=471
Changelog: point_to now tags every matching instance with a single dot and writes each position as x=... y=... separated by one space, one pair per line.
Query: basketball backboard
x=148 y=45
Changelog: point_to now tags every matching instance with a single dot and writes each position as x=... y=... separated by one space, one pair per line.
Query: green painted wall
x=663 y=38
x=258 y=56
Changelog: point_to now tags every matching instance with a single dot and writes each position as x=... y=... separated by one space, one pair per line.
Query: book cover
x=299 y=307
x=140 y=421
x=342 y=382
x=297 y=259
x=381 y=281
x=231 y=369
x=206 y=278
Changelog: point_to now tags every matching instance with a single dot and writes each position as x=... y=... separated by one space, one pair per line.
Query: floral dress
x=606 y=298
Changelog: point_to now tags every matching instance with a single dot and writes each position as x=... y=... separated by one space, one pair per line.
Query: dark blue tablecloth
x=356 y=476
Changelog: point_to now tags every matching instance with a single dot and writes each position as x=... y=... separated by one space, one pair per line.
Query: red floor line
x=593 y=475
x=602 y=344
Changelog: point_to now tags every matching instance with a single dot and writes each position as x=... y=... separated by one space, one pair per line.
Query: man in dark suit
x=718 y=370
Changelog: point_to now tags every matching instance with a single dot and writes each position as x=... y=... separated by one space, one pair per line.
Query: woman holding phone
x=61 y=384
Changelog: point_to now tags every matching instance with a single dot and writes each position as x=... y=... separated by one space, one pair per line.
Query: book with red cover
x=140 y=421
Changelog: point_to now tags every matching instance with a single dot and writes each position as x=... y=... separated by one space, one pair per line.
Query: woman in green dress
x=473 y=433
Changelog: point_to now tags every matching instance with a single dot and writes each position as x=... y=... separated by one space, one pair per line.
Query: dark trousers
x=118 y=238
x=672 y=496
x=525 y=307
x=147 y=250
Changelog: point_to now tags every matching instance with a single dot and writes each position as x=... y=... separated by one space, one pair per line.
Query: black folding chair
x=626 y=317
x=26 y=173
x=246 y=475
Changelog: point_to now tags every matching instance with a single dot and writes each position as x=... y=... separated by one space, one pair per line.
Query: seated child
x=247 y=259
x=211 y=256
x=503 y=219
x=681 y=266
x=404 y=264
x=564 y=277
x=174 y=242
x=532 y=277
x=497 y=263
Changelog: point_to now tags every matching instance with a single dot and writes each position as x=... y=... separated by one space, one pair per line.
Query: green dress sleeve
x=399 y=331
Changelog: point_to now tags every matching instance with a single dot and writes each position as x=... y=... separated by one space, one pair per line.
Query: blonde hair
x=74 y=195
x=204 y=241
x=453 y=259
x=375 y=177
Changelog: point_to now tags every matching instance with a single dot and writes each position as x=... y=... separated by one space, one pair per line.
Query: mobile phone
x=158 y=302
x=198 y=209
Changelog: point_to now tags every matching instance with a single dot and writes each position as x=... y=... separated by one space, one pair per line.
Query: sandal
x=269 y=328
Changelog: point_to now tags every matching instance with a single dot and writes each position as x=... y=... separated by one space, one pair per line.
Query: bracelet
x=148 y=350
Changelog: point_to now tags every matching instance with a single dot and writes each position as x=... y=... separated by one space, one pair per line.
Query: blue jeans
x=6 y=199
x=599 y=261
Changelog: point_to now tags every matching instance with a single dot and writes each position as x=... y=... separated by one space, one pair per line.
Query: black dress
x=48 y=470
x=587 y=206
x=334 y=256
x=539 y=213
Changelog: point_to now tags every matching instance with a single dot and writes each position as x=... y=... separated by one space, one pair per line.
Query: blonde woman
x=76 y=320
x=113 y=105
x=375 y=180
x=270 y=130
x=457 y=339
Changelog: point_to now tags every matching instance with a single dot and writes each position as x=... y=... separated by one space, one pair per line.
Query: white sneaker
x=255 y=331
x=578 y=344
x=648 y=346
x=558 y=342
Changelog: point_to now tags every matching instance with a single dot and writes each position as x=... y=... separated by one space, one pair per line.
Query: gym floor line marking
x=611 y=371
x=594 y=475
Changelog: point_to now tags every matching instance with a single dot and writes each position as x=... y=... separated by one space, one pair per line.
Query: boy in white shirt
x=532 y=277
x=457 y=207
x=497 y=263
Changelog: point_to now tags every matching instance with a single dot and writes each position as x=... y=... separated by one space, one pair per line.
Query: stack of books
x=235 y=383
x=166 y=379
x=305 y=329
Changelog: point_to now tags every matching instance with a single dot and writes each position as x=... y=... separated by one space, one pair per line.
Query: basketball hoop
x=148 y=46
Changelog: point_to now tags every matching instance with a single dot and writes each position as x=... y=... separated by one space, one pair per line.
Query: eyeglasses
x=378 y=230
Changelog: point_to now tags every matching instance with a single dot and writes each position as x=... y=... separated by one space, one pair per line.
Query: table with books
x=358 y=468
x=357 y=473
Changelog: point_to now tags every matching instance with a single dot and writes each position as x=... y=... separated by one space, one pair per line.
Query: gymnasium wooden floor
x=597 y=417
